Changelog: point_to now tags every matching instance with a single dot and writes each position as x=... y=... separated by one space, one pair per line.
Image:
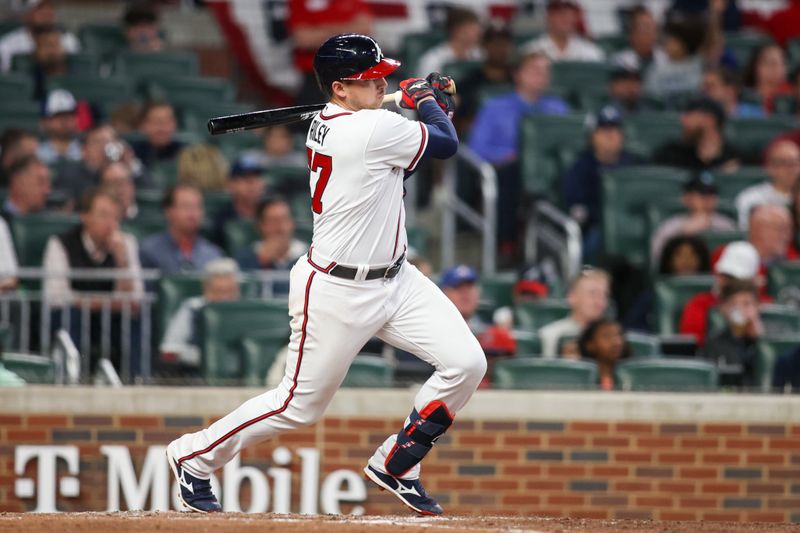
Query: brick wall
x=743 y=471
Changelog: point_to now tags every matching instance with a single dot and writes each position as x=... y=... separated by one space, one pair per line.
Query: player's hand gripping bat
x=288 y=115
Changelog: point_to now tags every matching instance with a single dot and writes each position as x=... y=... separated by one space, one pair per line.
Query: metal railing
x=453 y=207
x=553 y=236
x=99 y=324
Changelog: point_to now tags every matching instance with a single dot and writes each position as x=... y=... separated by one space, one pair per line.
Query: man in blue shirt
x=180 y=248
x=495 y=136
x=580 y=187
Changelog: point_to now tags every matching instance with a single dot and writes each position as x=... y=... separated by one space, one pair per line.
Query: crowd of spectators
x=148 y=196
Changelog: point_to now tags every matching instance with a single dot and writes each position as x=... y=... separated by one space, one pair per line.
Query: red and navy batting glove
x=414 y=90
x=438 y=81
x=445 y=101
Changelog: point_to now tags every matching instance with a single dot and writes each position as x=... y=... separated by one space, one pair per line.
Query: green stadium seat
x=742 y=44
x=418 y=239
x=197 y=89
x=754 y=134
x=530 y=316
x=83 y=64
x=672 y=293
x=5 y=337
x=667 y=375
x=231 y=144
x=730 y=185
x=214 y=202
x=497 y=289
x=288 y=177
x=9 y=378
x=106 y=93
x=260 y=349
x=715 y=239
x=104 y=40
x=785 y=275
x=19 y=114
x=413 y=47
x=769 y=350
x=369 y=371
x=528 y=343
x=173 y=289
x=15 y=87
x=625 y=230
x=31 y=233
x=149 y=202
x=648 y=130
x=540 y=373
x=612 y=43
x=223 y=324
x=581 y=77
x=461 y=70
x=31 y=368
x=785 y=104
x=643 y=345
x=144 y=66
x=541 y=136
x=239 y=234
x=144 y=225
x=779 y=319
x=164 y=173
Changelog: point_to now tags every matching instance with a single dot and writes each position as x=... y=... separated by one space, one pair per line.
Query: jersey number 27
x=323 y=163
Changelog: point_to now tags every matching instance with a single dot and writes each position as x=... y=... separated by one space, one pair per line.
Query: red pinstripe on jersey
x=423 y=143
x=285 y=405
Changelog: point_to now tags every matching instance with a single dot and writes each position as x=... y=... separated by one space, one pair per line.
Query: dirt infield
x=173 y=522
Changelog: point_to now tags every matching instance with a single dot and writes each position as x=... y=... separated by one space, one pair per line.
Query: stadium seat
x=648 y=130
x=173 y=289
x=164 y=173
x=581 y=78
x=196 y=89
x=260 y=350
x=15 y=87
x=730 y=185
x=783 y=278
x=715 y=239
x=785 y=104
x=413 y=47
x=94 y=89
x=83 y=64
x=31 y=233
x=541 y=136
x=369 y=371
x=540 y=373
x=779 y=319
x=612 y=43
x=223 y=324
x=19 y=114
x=461 y=70
x=625 y=229
x=144 y=66
x=530 y=316
x=643 y=345
x=104 y=40
x=528 y=343
x=148 y=201
x=667 y=375
x=239 y=233
x=743 y=43
x=31 y=368
x=769 y=350
x=144 y=225
x=418 y=239
x=214 y=202
x=754 y=134
x=497 y=289
x=672 y=293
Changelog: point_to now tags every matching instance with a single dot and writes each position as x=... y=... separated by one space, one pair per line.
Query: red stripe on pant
x=288 y=399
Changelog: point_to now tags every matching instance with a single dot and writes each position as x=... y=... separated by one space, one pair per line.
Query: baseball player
x=355 y=283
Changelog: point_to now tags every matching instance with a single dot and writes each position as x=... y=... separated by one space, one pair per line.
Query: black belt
x=389 y=272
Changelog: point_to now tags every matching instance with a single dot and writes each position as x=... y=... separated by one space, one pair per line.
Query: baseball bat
x=273 y=117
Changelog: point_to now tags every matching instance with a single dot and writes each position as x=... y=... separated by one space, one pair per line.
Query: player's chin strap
x=417 y=438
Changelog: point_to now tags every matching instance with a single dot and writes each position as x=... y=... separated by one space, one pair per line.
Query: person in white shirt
x=36 y=13
x=562 y=42
x=220 y=284
x=588 y=301
x=642 y=40
x=9 y=267
x=60 y=126
x=463 y=42
x=782 y=165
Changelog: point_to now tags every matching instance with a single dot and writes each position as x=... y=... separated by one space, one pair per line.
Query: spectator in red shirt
x=739 y=260
x=312 y=22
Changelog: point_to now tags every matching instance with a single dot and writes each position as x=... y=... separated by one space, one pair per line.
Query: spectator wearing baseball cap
x=703 y=145
x=700 y=197
x=625 y=90
x=738 y=261
x=460 y=285
x=581 y=183
x=533 y=284
x=246 y=186
x=60 y=126
x=562 y=41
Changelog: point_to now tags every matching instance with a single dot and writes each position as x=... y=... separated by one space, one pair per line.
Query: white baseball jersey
x=357 y=162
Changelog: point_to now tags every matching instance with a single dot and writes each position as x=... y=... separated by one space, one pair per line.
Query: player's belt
x=345 y=272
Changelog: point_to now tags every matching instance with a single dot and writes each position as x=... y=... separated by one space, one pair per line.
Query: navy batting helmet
x=350 y=56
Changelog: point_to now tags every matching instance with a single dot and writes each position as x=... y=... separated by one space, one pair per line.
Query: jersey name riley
x=318 y=131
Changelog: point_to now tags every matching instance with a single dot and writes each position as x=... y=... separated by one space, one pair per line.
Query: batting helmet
x=350 y=57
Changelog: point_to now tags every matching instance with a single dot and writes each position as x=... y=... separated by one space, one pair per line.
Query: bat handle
x=393 y=97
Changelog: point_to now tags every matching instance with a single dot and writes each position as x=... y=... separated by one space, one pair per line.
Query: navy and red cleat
x=409 y=491
x=194 y=493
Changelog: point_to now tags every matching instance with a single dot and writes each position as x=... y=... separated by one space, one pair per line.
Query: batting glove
x=414 y=90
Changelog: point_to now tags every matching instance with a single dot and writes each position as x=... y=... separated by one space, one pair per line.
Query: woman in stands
x=765 y=74
x=603 y=340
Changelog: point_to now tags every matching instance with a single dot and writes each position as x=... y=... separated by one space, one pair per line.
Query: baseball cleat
x=193 y=492
x=409 y=491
